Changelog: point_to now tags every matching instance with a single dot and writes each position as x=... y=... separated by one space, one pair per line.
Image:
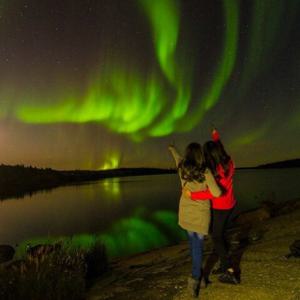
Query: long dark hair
x=215 y=154
x=193 y=164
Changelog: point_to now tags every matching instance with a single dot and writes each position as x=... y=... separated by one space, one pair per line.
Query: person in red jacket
x=222 y=167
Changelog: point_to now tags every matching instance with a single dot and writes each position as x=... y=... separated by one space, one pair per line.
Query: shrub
x=57 y=275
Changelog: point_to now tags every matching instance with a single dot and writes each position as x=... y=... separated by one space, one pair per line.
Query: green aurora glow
x=271 y=16
x=156 y=96
x=112 y=162
x=224 y=68
x=249 y=138
x=125 y=103
x=164 y=18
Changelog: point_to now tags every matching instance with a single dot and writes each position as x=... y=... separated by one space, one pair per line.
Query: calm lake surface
x=129 y=214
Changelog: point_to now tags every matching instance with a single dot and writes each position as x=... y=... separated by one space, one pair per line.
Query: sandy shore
x=163 y=273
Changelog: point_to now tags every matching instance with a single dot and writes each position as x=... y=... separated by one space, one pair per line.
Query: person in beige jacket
x=194 y=216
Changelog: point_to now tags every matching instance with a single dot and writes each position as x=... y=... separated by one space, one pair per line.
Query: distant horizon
x=137 y=167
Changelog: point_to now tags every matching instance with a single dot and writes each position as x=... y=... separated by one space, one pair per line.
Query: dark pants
x=219 y=225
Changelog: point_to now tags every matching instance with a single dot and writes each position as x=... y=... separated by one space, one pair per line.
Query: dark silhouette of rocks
x=291 y=163
x=7 y=253
x=254 y=216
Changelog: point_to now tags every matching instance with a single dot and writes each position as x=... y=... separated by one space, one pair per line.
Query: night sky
x=97 y=84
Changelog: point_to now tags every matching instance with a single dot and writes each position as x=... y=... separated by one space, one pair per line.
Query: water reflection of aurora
x=141 y=232
x=112 y=187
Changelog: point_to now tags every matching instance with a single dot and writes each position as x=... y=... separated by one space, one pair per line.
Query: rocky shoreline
x=259 y=242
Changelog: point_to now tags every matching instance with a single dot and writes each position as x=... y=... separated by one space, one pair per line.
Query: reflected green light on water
x=127 y=236
x=169 y=221
x=85 y=241
x=112 y=187
x=131 y=236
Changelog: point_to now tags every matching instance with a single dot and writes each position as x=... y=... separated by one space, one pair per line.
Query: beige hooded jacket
x=195 y=215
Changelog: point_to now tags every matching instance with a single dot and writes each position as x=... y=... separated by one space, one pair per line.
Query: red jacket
x=227 y=199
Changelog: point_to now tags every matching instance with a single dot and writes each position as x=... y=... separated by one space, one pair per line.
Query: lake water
x=129 y=214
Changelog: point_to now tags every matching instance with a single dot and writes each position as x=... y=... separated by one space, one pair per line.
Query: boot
x=205 y=282
x=193 y=287
x=229 y=277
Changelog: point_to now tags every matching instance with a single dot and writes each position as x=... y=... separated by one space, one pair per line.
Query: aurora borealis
x=103 y=84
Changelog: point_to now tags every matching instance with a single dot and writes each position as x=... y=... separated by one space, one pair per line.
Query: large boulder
x=288 y=207
x=7 y=253
x=277 y=209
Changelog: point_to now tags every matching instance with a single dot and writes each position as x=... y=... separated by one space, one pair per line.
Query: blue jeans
x=196 y=247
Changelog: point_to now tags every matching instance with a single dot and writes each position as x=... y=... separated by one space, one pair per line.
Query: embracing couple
x=206 y=178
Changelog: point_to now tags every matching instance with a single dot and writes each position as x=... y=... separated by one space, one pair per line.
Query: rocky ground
x=258 y=246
